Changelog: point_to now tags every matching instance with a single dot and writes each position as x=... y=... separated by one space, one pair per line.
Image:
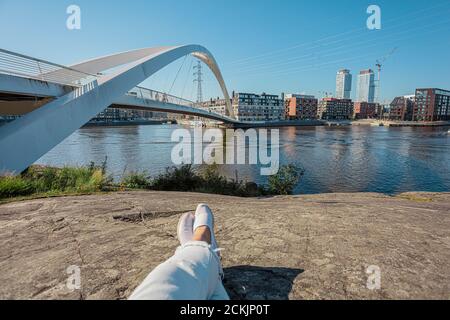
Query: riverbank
x=387 y=123
x=124 y=123
x=297 y=247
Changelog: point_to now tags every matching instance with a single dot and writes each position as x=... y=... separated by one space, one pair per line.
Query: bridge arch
x=26 y=139
x=159 y=58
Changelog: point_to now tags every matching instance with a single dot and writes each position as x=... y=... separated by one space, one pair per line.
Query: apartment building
x=401 y=109
x=335 y=109
x=300 y=107
x=250 y=107
x=117 y=114
x=432 y=104
x=365 y=110
x=253 y=107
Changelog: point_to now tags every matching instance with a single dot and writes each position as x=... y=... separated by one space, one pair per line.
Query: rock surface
x=301 y=247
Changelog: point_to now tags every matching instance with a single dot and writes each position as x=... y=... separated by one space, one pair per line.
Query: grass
x=37 y=182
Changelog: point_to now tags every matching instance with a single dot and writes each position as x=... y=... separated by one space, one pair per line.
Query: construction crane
x=379 y=65
x=326 y=94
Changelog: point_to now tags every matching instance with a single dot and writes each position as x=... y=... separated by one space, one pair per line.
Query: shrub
x=183 y=178
x=136 y=180
x=11 y=186
x=285 y=181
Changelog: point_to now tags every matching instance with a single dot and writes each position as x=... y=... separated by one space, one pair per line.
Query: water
x=345 y=159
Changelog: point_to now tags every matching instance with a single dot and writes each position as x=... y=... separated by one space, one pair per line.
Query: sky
x=272 y=46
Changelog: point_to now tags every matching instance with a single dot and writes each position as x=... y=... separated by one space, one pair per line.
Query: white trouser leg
x=220 y=293
x=193 y=273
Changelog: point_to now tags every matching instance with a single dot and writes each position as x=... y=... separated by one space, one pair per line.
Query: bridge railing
x=27 y=67
x=150 y=94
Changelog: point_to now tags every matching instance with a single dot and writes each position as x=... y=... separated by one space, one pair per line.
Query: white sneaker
x=204 y=217
x=185 y=229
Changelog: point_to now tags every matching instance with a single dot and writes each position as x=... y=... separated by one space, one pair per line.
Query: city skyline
x=299 y=56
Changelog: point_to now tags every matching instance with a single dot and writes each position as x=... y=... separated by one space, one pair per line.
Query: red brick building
x=365 y=110
x=432 y=104
x=401 y=109
x=301 y=107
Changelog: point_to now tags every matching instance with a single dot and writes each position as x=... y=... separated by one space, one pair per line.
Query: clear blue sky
x=271 y=46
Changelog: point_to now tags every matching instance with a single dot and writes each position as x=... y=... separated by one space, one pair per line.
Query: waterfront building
x=401 y=109
x=300 y=107
x=365 y=110
x=250 y=107
x=216 y=106
x=343 y=84
x=366 y=86
x=253 y=107
x=432 y=104
x=335 y=109
x=117 y=114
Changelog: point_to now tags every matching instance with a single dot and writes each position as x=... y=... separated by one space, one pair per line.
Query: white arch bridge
x=54 y=100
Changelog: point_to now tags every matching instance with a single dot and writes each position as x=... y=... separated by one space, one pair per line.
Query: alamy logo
x=74 y=20
x=374 y=20
x=374 y=278
x=229 y=149
x=74 y=280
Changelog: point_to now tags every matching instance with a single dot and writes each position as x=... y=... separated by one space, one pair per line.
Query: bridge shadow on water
x=259 y=283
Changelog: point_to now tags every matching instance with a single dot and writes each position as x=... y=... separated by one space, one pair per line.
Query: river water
x=344 y=159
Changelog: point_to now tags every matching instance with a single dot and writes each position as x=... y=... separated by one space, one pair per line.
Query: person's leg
x=193 y=273
x=220 y=293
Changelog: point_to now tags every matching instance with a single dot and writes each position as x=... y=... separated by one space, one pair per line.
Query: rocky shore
x=298 y=247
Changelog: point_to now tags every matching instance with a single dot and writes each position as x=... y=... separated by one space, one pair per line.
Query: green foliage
x=42 y=180
x=285 y=181
x=14 y=187
x=213 y=182
x=183 y=178
x=92 y=178
x=136 y=180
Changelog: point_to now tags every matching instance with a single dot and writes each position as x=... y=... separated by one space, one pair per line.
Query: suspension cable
x=178 y=73
x=187 y=77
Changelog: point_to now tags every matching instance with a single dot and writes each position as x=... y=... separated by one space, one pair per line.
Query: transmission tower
x=199 y=79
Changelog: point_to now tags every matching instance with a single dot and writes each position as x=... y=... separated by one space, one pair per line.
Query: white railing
x=27 y=67
x=150 y=94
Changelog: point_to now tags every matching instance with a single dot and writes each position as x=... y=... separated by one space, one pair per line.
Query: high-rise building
x=366 y=86
x=432 y=105
x=335 y=109
x=343 y=84
x=300 y=107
